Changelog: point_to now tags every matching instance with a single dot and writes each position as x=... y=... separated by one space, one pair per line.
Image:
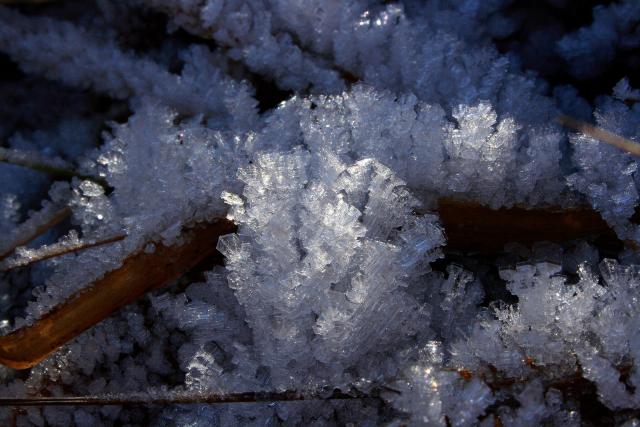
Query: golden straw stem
x=600 y=134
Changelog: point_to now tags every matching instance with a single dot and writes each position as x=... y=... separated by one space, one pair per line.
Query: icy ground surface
x=328 y=131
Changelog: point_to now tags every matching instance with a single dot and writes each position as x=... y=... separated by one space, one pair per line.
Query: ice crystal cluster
x=329 y=132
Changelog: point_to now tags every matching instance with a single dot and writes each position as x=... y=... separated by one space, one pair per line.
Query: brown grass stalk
x=139 y=274
x=468 y=226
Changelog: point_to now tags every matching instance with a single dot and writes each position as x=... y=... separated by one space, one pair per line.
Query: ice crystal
x=329 y=132
x=324 y=253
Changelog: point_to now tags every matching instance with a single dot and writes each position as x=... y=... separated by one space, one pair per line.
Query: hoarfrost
x=339 y=275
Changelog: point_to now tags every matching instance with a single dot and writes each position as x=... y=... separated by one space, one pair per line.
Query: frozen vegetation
x=339 y=275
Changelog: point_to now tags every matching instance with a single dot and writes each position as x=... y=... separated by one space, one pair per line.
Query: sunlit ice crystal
x=332 y=260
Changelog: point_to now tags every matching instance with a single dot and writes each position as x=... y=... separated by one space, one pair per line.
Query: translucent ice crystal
x=371 y=113
x=321 y=259
x=588 y=50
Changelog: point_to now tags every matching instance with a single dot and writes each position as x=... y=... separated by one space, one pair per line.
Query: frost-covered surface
x=339 y=275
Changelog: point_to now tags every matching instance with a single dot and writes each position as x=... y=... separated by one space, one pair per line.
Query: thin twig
x=40 y=163
x=600 y=134
x=55 y=250
x=188 y=398
x=33 y=228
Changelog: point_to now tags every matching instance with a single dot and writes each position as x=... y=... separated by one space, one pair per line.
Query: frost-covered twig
x=332 y=278
x=38 y=223
x=56 y=167
x=76 y=57
x=181 y=398
x=252 y=36
x=71 y=244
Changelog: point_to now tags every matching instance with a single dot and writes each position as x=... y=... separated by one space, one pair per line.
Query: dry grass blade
x=139 y=274
x=34 y=227
x=477 y=228
x=37 y=162
x=600 y=134
x=56 y=250
x=187 y=398
x=469 y=227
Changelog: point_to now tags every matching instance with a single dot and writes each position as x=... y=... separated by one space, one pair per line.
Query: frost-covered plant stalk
x=329 y=132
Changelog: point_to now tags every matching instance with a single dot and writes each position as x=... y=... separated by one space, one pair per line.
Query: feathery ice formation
x=328 y=132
